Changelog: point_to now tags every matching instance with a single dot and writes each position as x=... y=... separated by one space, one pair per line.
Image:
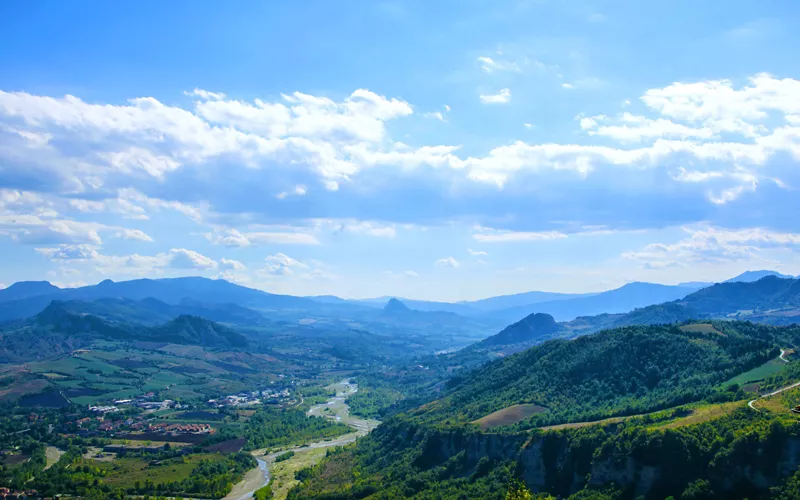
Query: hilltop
x=58 y=330
x=770 y=300
x=620 y=371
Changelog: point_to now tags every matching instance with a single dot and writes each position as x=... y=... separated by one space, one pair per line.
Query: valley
x=141 y=398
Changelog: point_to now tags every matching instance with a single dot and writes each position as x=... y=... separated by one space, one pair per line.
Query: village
x=146 y=415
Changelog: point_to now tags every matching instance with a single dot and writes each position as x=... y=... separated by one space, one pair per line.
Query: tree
x=518 y=491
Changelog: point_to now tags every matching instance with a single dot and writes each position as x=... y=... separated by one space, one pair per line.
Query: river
x=335 y=408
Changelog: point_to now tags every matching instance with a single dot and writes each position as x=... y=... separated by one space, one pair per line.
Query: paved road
x=751 y=403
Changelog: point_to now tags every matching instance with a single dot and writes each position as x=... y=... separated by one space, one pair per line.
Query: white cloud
x=711 y=244
x=685 y=175
x=233 y=265
x=69 y=284
x=488 y=235
x=713 y=132
x=367 y=227
x=502 y=97
x=133 y=234
x=299 y=190
x=400 y=275
x=489 y=64
x=717 y=104
x=68 y=252
x=632 y=128
x=205 y=94
x=436 y=115
x=230 y=237
x=566 y=85
x=282 y=264
x=476 y=252
x=149 y=138
x=135 y=264
x=448 y=262
x=181 y=258
x=33 y=229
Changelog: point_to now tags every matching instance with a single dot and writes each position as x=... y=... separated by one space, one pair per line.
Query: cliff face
x=559 y=464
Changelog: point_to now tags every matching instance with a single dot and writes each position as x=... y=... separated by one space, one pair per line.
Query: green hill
x=58 y=330
x=615 y=372
x=688 y=434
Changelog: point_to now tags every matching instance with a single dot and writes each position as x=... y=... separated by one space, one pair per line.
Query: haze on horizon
x=433 y=150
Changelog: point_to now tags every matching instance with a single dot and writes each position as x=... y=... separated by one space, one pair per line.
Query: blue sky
x=440 y=150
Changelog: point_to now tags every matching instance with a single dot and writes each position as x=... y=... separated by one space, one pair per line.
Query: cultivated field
x=510 y=415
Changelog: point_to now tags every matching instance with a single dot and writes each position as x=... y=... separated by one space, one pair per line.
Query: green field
x=758 y=373
x=121 y=371
x=125 y=472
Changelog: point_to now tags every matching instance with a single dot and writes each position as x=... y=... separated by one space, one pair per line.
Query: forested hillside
x=616 y=372
x=668 y=387
x=743 y=454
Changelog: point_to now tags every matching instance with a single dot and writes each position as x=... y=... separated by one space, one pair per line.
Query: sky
x=447 y=150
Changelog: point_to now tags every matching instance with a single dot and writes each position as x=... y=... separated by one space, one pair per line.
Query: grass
x=283 y=472
x=691 y=414
x=758 y=373
x=124 y=472
x=703 y=413
x=53 y=455
x=507 y=416
x=780 y=403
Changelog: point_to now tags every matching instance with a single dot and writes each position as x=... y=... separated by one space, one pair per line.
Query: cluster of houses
x=103 y=409
x=145 y=402
x=251 y=398
x=177 y=429
x=8 y=494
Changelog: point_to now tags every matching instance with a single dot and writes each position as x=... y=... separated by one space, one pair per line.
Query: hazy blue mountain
x=395 y=306
x=462 y=309
x=536 y=327
x=170 y=291
x=193 y=330
x=152 y=311
x=329 y=299
x=696 y=284
x=520 y=299
x=770 y=300
x=25 y=289
x=750 y=276
x=57 y=330
x=465 y=308
x=619 y=300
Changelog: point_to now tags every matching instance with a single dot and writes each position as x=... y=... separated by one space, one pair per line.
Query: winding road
x=782 y=358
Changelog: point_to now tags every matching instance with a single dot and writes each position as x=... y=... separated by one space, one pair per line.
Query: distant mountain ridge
x=535 y=326
x=619 y=300
x=167 y=290
x=770 y=300
x=750 y=276
x=25 y=289
x=151 y=311
x=57 y=330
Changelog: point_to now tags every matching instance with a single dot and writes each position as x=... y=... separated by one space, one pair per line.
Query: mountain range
x=770 y=300
x=151 y=301
x=562 y=306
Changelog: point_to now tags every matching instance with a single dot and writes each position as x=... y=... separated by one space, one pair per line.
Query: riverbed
x=335 y=408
